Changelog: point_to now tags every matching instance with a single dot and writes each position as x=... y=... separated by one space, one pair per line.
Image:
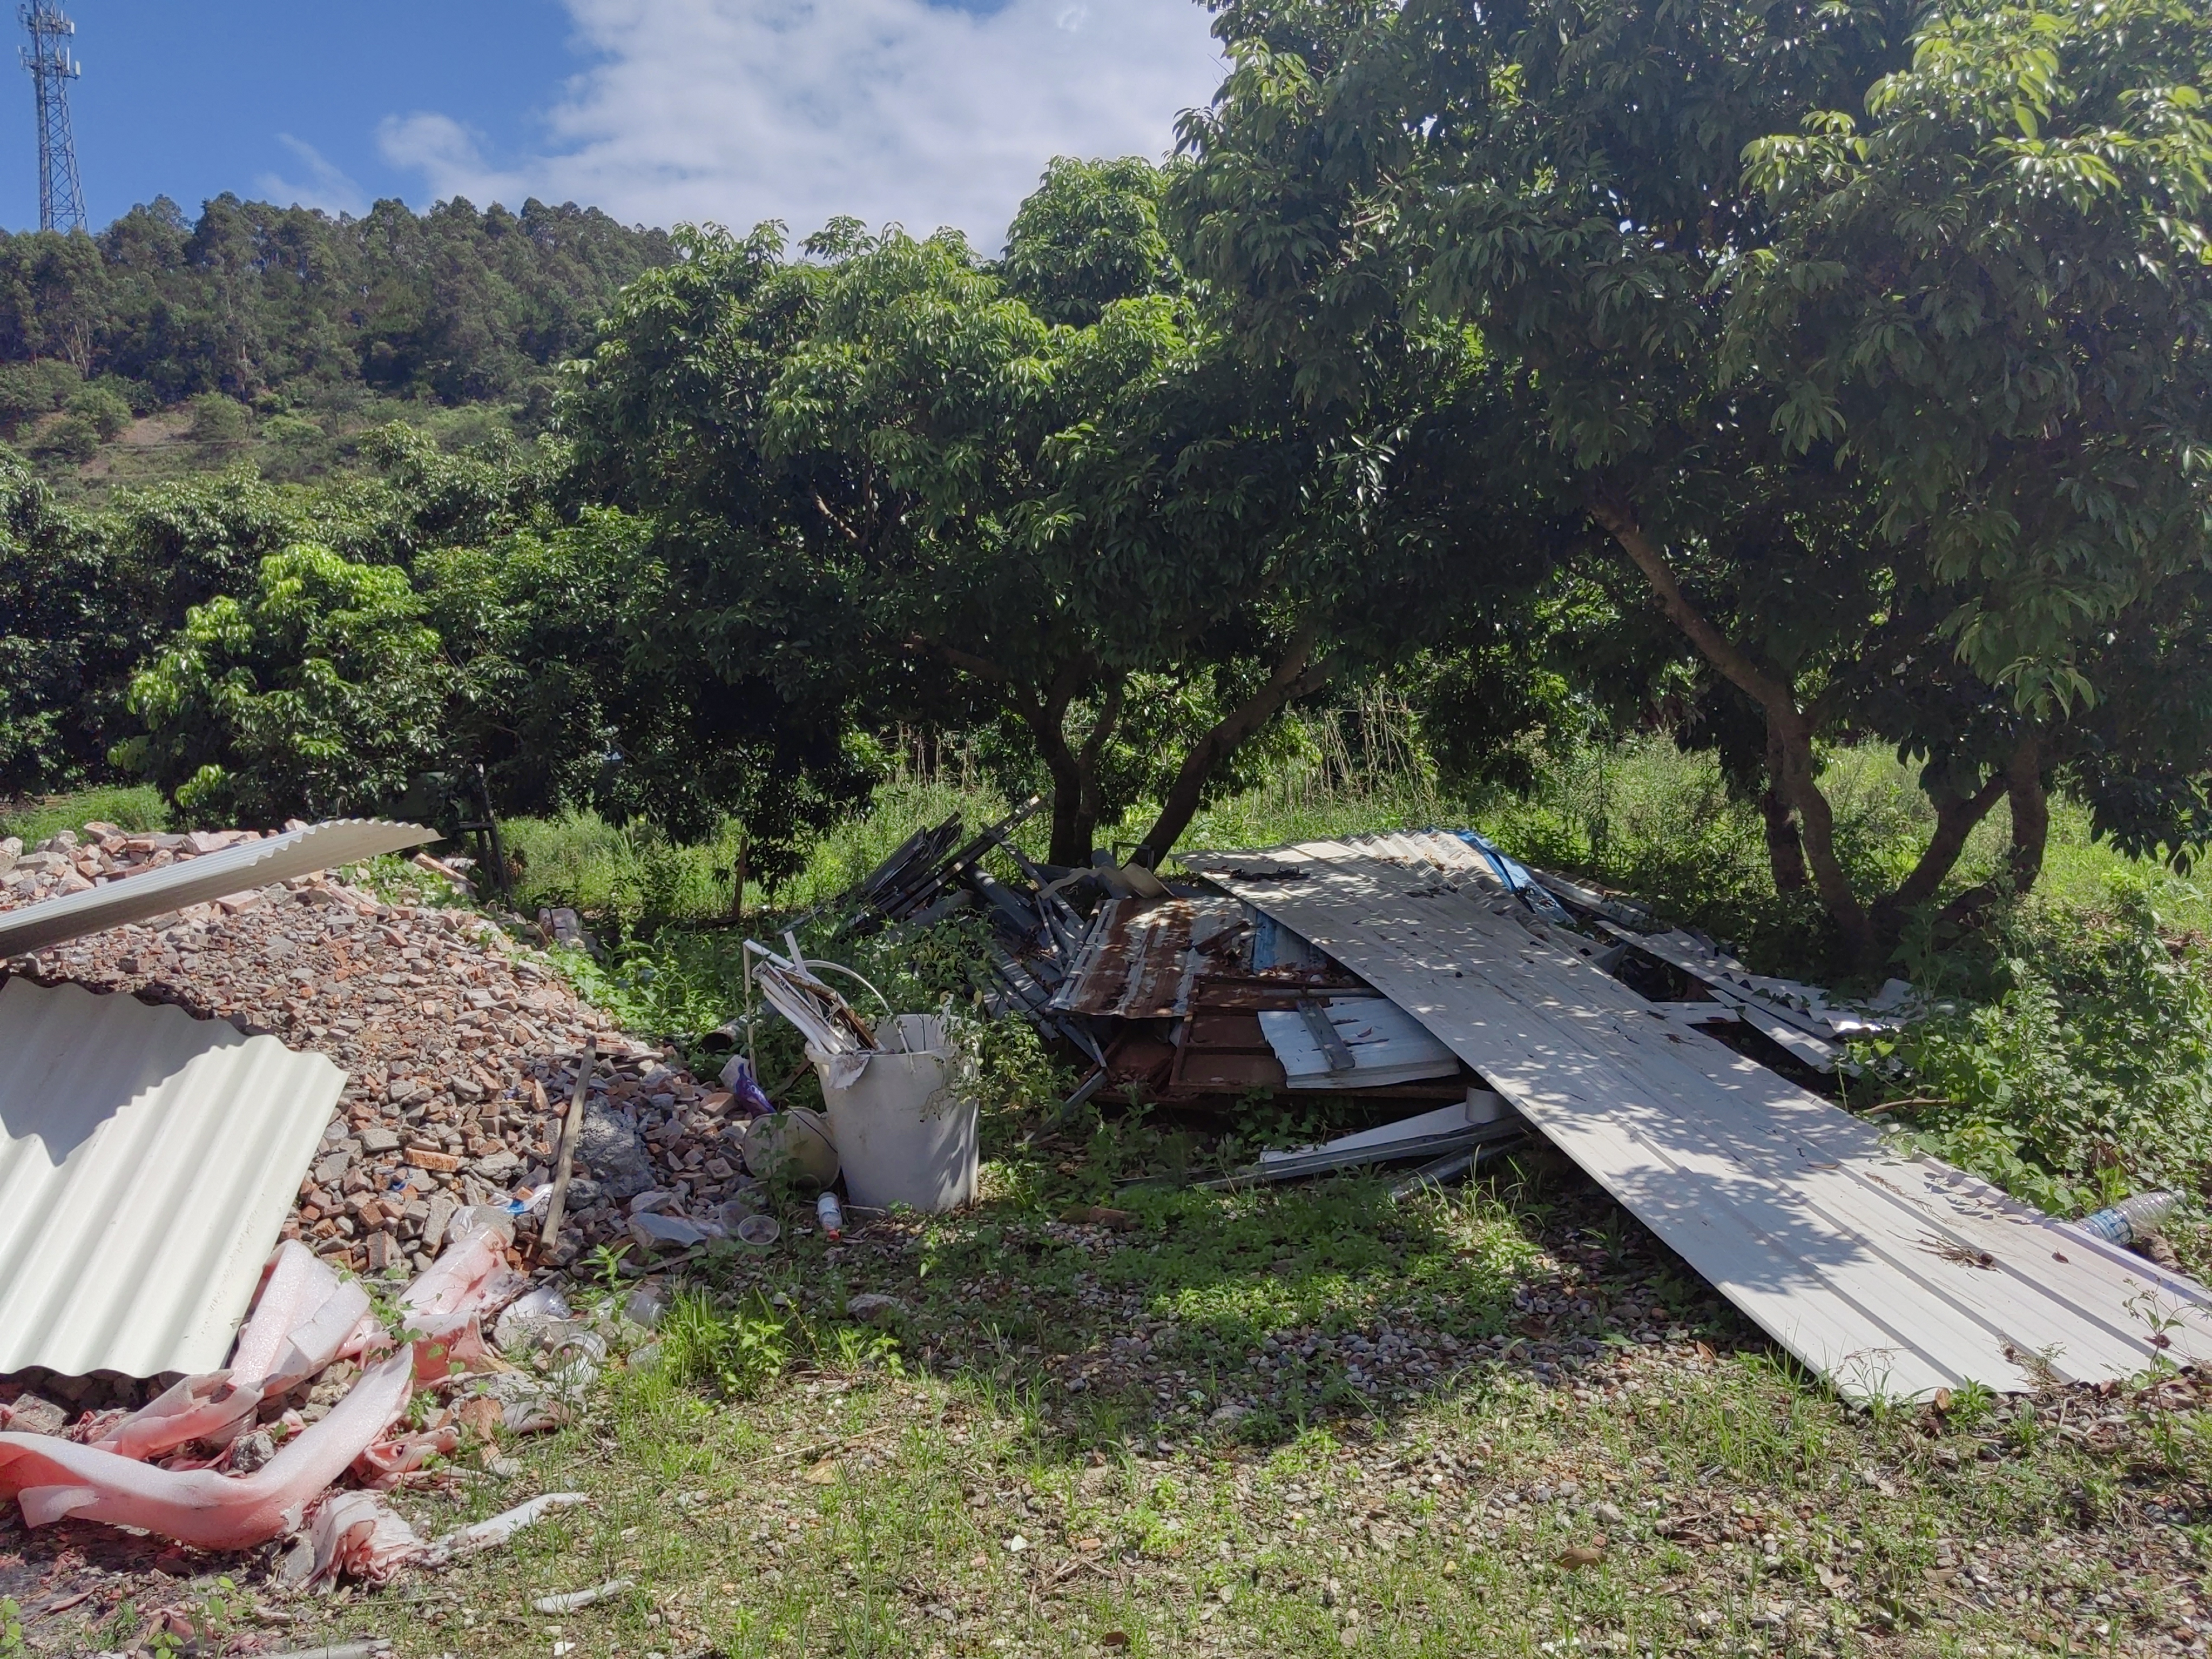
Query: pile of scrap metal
x=1193 y=993
x=1179 y=994
x=1035 y=922
x=1493 y=1000
x=148 y=1165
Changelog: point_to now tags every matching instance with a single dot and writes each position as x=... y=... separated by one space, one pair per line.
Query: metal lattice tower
x=61 y=197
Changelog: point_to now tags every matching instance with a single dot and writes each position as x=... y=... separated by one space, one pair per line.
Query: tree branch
x=1295 y=676
x=1789 y=730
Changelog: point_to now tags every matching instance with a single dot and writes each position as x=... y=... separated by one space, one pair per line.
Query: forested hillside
x=165 y=345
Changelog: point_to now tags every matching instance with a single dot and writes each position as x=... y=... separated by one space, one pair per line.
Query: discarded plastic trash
x=530 y=1320
x=356 y=1534
x=831 y=1214
x=481 y=1218
x=651 y=1231
x=646 y=1306
x=575 y=1599
x=758 y=1230
x=372 y=1647
x=903 y=1119
x=747 y=1098
x=52 y=1479
x=2130 y=1219
x=502 y=1527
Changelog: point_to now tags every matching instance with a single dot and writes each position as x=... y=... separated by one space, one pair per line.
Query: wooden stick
x=549 y=1237
x=1891 y=1105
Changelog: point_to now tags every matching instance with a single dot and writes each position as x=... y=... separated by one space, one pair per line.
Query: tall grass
x=33 y=821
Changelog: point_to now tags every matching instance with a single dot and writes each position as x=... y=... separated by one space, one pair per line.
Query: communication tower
x=61 y=198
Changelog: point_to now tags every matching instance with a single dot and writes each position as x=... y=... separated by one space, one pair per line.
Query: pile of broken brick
x=460 y=1046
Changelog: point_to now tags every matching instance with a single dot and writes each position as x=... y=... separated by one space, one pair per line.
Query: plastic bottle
x=831 y=1214
x=2131 y=1218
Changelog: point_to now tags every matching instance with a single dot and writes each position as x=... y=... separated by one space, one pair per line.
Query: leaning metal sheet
x=211 y=876
x=147 y=1160
x=1140 y=956
x=1892 y=1276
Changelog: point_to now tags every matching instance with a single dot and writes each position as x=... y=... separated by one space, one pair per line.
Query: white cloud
x=735 y=111
x=329 y=186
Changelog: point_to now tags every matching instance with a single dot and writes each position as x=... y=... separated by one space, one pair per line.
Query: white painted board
x=1388 y=1046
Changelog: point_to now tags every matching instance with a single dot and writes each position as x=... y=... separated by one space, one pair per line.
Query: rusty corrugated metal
x=211 y=876
x=147 y=1160
x=1141 y=955
x=1892 y=1274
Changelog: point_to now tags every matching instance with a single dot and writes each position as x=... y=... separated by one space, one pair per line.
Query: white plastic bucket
x=904 y=1122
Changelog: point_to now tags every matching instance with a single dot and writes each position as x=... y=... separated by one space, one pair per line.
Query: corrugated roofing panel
x=1141 y=955
x=147 y=1160
x=1890 y=1275
x=211 y=876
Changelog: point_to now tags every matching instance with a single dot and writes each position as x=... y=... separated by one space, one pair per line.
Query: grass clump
x=734 y=1352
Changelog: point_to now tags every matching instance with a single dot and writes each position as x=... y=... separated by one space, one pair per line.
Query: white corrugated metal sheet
x=147 y=1160
x=211 y=876
x=1890 y=1275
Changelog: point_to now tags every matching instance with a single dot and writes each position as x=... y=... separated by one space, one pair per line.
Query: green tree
x=455 y=304
x=2022 y=208
x=1572 y=182
x=70 y=633
x=318 y=693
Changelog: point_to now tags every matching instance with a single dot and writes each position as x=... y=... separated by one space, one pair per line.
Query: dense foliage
x=284 y=306
x=1781 y=376
x=1896 y=419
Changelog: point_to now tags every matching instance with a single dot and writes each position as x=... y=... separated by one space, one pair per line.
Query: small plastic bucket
x=904 y=1122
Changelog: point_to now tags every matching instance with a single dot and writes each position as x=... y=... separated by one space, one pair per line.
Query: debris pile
x=451 y=1034
x=446 y=1033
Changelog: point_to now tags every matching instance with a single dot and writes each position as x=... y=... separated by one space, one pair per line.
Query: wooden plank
x=1884 y=1276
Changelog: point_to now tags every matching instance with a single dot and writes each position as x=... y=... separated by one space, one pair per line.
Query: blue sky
x=657 y=110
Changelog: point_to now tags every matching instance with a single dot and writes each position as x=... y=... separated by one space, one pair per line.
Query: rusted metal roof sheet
x=147 y=1160
x=1141 y=955
x=211 y=876
x=1892 y=1276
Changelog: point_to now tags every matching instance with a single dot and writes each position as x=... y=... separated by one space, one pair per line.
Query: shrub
x=30 y=390
x=2087 y=1074
x=104 y=411
x=318 y=693
x=220 y=423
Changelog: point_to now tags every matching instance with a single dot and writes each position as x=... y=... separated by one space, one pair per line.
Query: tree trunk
x=2022 y=784
x=1090 y=795
x=1072 y=827
x=1956 y=816
x=1785 y=846
x=1078 y=802
x=1789 y=730
x=1295 y=675
x=1785 y=851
